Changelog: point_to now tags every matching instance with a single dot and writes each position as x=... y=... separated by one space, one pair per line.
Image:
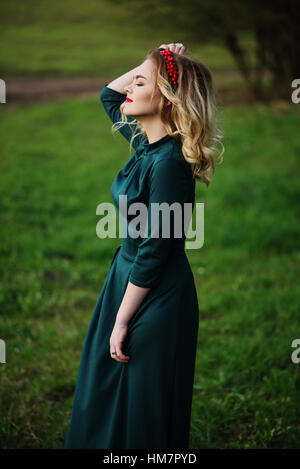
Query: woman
x=135 y=381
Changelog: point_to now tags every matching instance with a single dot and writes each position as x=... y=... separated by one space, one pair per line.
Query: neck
x=153 y=128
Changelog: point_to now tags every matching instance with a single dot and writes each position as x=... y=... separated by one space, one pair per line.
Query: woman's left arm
x=132 y=299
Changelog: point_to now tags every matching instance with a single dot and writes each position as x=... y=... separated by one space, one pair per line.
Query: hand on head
x=177 y=47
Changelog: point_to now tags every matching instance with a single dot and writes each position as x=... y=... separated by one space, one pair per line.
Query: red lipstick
x=128 y=100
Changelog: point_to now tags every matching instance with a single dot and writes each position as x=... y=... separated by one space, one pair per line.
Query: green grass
x=42 y=38
x=58 y=163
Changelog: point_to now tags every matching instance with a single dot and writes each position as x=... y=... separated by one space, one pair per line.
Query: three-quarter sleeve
x=112 y=100
x=168 y=182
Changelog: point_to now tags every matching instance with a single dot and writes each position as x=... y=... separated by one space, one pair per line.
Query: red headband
x=171 y=66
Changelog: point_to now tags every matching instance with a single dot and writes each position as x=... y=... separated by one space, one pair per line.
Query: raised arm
x=124 y=80
x=112 y=96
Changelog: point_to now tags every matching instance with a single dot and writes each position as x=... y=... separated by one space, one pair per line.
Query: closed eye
x=138 y=84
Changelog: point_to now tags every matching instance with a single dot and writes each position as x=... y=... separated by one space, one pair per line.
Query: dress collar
x=149 y=146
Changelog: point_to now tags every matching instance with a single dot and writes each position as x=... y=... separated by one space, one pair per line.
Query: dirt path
x=32 y=90
x=28 y=90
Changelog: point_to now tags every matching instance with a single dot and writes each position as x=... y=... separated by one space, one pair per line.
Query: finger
x=113 y=352
x=117 y=357
x=122 y=361
x=163 y=46
x=121 y=354
x=172 y=47
x=179 y=46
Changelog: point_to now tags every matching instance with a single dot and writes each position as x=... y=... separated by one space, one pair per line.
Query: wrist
x=121 y=322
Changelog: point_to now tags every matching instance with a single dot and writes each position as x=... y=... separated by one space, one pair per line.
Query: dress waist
x=178 y=249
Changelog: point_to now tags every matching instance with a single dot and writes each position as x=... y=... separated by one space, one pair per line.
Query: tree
x=272 y=24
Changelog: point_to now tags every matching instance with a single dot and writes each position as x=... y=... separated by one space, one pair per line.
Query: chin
x=127 y=113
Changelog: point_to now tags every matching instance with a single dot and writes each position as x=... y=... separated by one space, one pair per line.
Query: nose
x=127 y=89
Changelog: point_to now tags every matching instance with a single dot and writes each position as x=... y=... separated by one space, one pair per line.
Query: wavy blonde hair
x=191 y=117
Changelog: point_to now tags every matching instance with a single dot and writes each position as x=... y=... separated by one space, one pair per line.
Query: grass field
x=58 y=163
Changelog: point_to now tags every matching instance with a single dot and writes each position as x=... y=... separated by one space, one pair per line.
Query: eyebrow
x=140 y=76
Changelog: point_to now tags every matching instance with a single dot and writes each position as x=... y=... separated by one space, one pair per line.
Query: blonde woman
x=135 y=382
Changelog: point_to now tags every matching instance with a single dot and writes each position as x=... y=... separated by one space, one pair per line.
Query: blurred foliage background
x=58 y=161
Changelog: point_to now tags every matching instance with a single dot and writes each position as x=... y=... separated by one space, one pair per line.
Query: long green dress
x=145 y=403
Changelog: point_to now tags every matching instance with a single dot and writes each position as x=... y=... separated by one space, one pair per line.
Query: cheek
x=151 y=104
